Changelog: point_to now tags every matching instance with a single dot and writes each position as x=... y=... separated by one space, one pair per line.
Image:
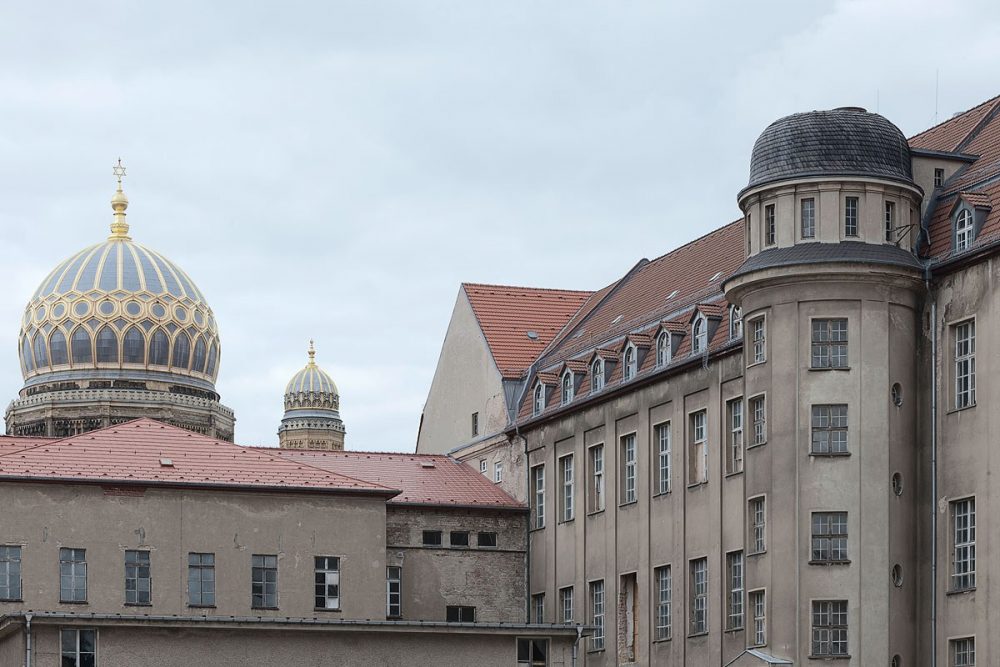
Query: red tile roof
x=15 y=443
x=427 y=479
x=506 y=315
x=134 y=453
x=952 y=133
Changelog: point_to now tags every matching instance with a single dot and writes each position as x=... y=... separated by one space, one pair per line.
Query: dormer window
x=628 y=363
x=597 y=375
x=735 y=322
x=567 y=387
x=663 y=349
x=539 y=403
x=965 y=230
x=699 y=338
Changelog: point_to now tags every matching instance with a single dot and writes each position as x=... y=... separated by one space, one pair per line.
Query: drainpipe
x=27 y=640
x=934 y=474
x=527 y=490
x=576 y=644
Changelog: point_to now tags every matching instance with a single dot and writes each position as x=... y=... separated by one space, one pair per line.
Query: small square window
x=459 y=538
x=487 y=540
x=432 y=538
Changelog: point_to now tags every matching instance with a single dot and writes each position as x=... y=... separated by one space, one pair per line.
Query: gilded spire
x=119 y=202
x=312 y=353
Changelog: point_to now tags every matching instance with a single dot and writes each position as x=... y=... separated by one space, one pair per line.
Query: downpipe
x=27 y=640
x=934 y=473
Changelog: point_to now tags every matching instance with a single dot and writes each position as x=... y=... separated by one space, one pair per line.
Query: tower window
x=851 y=216
x=890 y=221
x=769 y=224
x=808 y=218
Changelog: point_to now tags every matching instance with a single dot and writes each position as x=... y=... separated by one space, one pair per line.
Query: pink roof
x=427 y=479
x=15 y=443
x=146 y=452
x=506 y=315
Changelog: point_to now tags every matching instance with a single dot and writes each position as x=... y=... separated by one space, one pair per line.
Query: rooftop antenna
x=877 y=100
x=937 y=73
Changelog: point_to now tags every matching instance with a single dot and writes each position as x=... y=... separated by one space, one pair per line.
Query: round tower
x=312 y=410
x=830 y=294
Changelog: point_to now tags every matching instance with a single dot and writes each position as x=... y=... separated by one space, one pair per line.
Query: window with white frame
x=138 y=579
x=829 y=343
x=758 y=607
x=662 y=581
x=628 y=469
x=663 y=351
x=698 y=450
x=829 y=430
x=497 y=472
x=734 y=417
x=566 y=604
x=79 y=647
x=890 y=221
x=661 y=436
x=734 y=601
x=829 y=537
x=538 y=496
x=963 y=652
x=597 y=375
x=829 y=628
x=963 y=530
x=596 y=485
x=566 y=497
x=597 y=615
x=567 y=387
x=758 y=341
x=851 y=216
x=807 y=218
x=482 y=466
x=965 y=230
x=699 y=338
x=629 y=363
x=327 y=582
x=72 y=575
x=538 y=608
x=264 y=581
x=757 y=522
x=758 y=409
x=699 y=596
x=965 y=363
x=393 y=591
x=539 y=402
x=735 y=322
x=10 y=572
x=769 y=228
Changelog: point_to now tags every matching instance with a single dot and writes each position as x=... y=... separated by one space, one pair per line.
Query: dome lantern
x=312 y=410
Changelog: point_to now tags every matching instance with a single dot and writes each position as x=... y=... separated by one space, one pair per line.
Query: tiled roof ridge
x=132 y=422
x=528 y=289
x=47 y=441
x=994 y=100
x=351 y=452
x=338 y=474
x=704 y=236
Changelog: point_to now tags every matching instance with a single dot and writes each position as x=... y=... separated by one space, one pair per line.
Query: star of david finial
x=119 y=172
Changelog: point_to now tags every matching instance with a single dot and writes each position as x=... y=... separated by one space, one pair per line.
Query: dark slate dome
x=847 y=141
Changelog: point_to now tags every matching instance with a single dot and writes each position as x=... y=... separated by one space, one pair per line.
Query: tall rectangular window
x=538 y=496
x=759 y=410
x=769 y=224
x=963 y=560
x=963 y=652
x=566 y=497
x=538 y=608
x=597 y=615
x=201 y=580
x=661 y=435
x=965 y=364
x=497 y=472
x=808 y=218
x=850 y=216
x=628 y=469
x=663 y=583
x=829 y=628
x=72 y=575
x=699 y=596
x=482 y=466
x=264 y=582
x=734 y=417
x=757 y=522
x=829 y=537
x=327 y=582
x=78 y=647
x=698 y=459
x=829 y=343
x=596 y=491
x=758 y=607
x=475 y=424
x=566 y=604
x=734 y=601
x=393 y=591
x=829 y=430
x=138 y=579
x=10 y=572
x=758 y=340
x=890 y=221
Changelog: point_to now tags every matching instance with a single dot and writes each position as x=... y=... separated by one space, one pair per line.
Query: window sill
x=201 y=606
x=662 y=494
x=734 y=474
x=662 y=640
x=627 y=503
x=961 y=591
x=846 y=656
x=732 y=631
x=595 y=650
x=138 y=604
x=757 y=363
x=265 y=608
x=757 y=553
x=569 y=520
x=698 y=634
x=336 y=611
x=596 y=512
x=830 y=562
x=13 y=600
x=829 y=455
x=756 y=445
x=830 y=368
x=535 y=529
x=73 y=602
x=961 y=409
x=694 y=485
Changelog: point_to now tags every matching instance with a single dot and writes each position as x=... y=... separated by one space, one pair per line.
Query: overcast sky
x=335 y=169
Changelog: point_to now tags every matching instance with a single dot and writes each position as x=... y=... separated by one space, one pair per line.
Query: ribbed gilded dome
x=119 y=310
x=312 y=389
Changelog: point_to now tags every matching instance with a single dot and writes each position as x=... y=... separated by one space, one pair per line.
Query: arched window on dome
x=182 y=351
x=199 y=356
x=41 y=355
x=213 y=356
x=159 y=349
x=107 y=346
x=57 y=348
x=29 y=362
x=80 y=347
x=134 y=347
